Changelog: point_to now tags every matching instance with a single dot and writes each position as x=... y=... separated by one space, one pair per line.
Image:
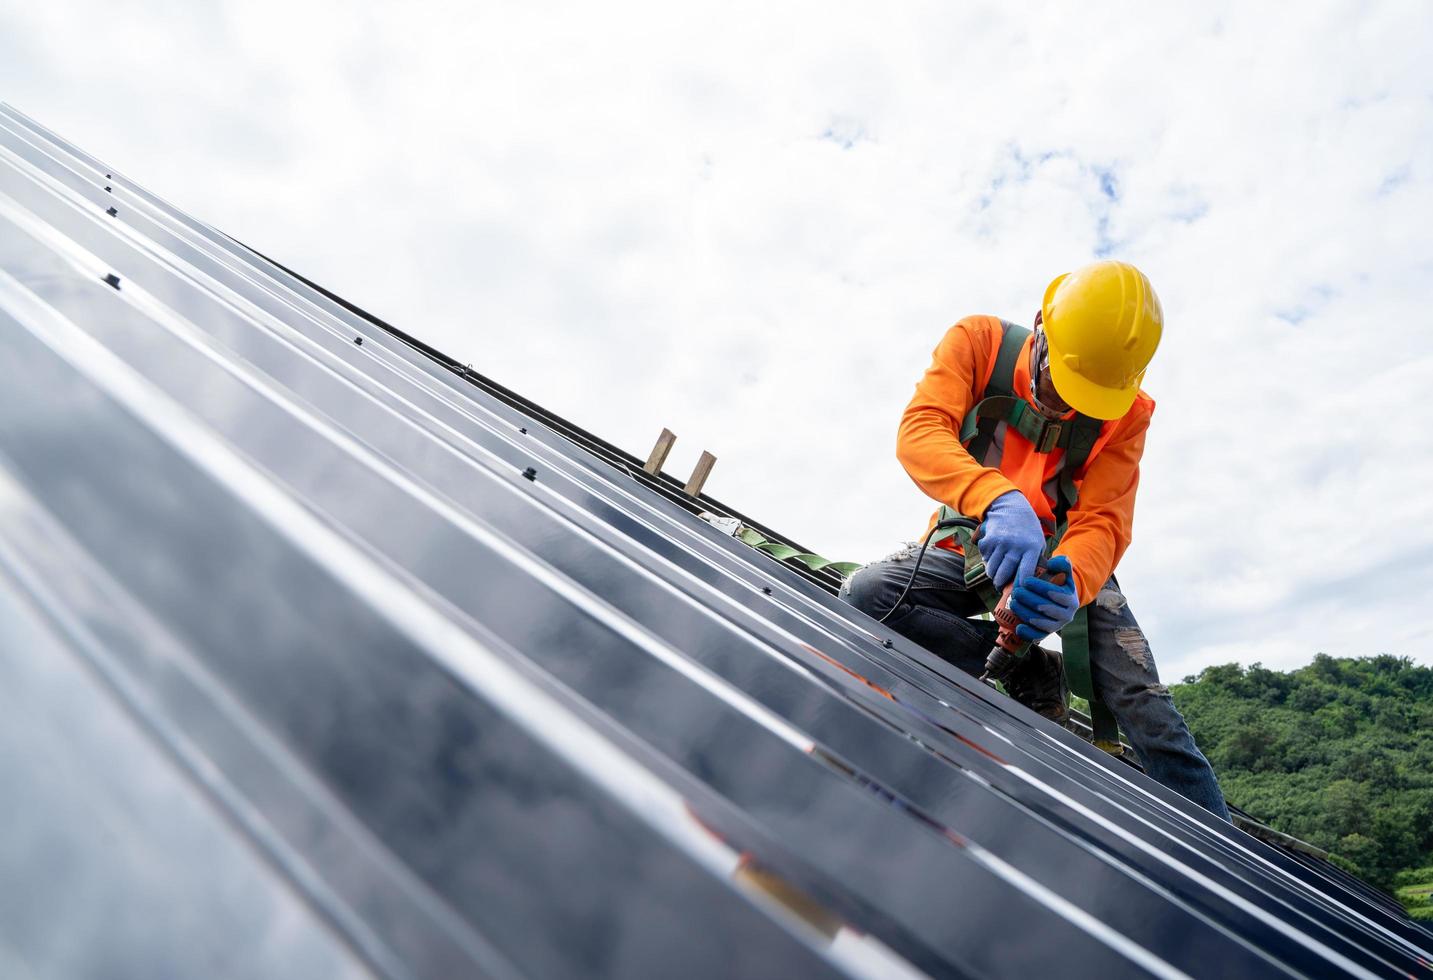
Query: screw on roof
x=530 y=473
x=112 y=280
x=523 y=431
x=766 y=590
x=111 y=212
x=109 y=188
x=887 y=644
x=358 y=341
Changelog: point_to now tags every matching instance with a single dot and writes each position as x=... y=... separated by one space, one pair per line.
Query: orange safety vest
x=1011 y=446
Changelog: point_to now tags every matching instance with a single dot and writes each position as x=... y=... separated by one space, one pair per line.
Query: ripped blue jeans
x=934 y=614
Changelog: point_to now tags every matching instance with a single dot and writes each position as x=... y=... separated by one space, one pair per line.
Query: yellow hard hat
x=1102 y=323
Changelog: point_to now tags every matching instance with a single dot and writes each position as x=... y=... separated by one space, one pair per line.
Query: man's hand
x=1011 y=539
x=1042 y=606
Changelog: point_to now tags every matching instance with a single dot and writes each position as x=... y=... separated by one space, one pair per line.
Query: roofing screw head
x=109 y=188
x=112 y=280
x=111 y=212
x=887 y=644
x=358 y=341
x=766 y=590
x=109 y=176
x=530 y=473
x=523 y=431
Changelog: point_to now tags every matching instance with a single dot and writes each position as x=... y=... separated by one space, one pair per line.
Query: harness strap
x=1084 y=433
x=977 y=430
x=1075 y=641
x=1044 y=434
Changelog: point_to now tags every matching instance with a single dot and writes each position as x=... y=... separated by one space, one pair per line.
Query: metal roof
x=324 y=659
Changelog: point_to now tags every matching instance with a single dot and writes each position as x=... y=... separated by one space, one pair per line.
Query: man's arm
x=1101 y=522
x=928 y=441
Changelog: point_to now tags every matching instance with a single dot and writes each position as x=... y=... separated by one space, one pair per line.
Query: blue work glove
x=1011 y=539
x=1044 y=608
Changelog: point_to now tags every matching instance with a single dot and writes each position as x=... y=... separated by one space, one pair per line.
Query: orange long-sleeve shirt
x=928 y=446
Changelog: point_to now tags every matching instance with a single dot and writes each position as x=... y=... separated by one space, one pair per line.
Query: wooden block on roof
x=665 y=441
x=700 y=474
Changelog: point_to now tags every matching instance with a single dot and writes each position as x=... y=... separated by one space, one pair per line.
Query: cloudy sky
x=751 y=223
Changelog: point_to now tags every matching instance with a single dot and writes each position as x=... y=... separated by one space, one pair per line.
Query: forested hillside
x=1338 y=753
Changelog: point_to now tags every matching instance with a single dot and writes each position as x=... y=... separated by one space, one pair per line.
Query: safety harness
x=982 y=432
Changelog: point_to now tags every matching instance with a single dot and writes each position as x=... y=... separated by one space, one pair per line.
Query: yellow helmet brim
x=1086 y=397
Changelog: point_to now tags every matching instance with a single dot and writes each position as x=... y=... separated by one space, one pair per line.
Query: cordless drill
x=1009 y=648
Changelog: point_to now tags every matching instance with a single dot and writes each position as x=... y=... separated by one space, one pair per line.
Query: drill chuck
x=1009 y=648
x=1000 y=663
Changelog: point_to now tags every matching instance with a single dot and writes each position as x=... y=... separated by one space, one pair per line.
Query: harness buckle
x=1044 y=434
x=1050 y=435
x=977 y=578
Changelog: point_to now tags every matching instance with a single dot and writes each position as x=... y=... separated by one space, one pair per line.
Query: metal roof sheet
x=452 y=691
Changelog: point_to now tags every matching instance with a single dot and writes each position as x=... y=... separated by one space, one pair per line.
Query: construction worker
x=1038 y=435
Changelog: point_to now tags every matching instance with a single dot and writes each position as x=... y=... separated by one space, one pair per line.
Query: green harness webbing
x=1077 y=436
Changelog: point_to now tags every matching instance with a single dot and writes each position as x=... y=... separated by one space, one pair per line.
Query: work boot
x=1038 y=682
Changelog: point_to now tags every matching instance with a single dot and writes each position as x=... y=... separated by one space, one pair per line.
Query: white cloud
x=753 y=224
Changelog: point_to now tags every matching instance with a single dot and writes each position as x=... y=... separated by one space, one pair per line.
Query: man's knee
x=1147 y=713
x=870 y=590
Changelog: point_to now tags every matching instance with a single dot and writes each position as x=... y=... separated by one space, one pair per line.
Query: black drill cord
x=940 y=526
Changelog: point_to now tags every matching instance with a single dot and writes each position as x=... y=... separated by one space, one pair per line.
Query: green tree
x=1338 y=753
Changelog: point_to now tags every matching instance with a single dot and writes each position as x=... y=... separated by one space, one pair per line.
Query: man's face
x=1046 y=399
